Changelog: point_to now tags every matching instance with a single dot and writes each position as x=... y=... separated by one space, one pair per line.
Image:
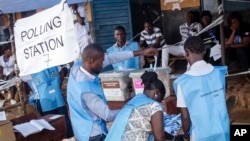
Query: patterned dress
x=139 y=126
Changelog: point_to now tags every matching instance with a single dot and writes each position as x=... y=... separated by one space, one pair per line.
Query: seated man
x=151 y=37
x=191 y=27
x=188 y=29
x=123 y=45
x=212 y=36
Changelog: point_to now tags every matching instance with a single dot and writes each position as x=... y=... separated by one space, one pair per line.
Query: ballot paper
x=215 y=52
x=32 y=127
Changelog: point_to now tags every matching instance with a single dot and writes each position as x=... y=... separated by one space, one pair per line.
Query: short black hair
x=7 y=46
x=206 y=13
x=121 y=28
x=194 y=44
x=235 y=15
x=149 y=21
x=92 y=50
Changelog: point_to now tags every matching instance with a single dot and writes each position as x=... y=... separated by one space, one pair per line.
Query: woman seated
x=237 y=40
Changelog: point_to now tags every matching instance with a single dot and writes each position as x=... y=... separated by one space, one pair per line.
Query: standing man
x=87 y=104
x=203 y=105
x=79 y=22
x=123 y=45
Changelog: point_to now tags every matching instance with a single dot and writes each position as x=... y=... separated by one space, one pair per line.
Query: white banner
x=46 y=39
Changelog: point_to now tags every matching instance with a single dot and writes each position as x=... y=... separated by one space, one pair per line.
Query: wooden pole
x=18 y=83
x=222 y=37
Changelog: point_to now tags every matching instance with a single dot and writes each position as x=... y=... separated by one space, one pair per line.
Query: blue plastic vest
x=132 y=63
x=120 y=122
x=81 y=121
x=205 y=99
x=47 y=83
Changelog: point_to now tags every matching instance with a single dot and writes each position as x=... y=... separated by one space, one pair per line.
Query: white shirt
x=8 y=66
x=81 y=31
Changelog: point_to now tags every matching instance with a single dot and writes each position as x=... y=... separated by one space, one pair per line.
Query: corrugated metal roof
x=14 y=6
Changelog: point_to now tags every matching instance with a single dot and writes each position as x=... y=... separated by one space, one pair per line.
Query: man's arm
x=78 y=19
x=186 y=122
x=121 y=56
x=185 y=118
x=97 y=106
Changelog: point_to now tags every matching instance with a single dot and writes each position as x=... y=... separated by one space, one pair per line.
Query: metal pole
x=222 y=37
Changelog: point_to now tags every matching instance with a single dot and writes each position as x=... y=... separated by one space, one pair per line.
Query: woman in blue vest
x=142 y=116
x=201 y=96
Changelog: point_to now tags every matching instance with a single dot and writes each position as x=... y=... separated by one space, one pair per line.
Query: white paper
x=41 y=124
x=215 y=52
x=32 y=127
x=55 y=117
x=2 y=115
x=48 y=42
x=26 y=129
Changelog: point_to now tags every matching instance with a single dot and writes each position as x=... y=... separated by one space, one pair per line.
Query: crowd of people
x=141 y=119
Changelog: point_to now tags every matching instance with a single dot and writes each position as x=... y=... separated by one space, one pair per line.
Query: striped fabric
x=188 y=31
x=151 y=39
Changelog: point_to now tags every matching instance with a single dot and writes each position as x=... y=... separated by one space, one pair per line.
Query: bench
x=173 y=59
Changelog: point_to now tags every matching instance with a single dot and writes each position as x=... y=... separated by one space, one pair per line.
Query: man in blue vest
x=201 y=96
x=123 y=45
x=87 y=104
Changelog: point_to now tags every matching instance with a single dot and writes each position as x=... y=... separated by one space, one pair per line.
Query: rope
x=216 y=22
x=237 y=74
x=5 y=42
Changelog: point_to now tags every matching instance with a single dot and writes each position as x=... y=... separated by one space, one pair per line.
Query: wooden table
x=45 y=135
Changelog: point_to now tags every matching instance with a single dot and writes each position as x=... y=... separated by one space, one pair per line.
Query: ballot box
x=117 y=85
x=163 y=75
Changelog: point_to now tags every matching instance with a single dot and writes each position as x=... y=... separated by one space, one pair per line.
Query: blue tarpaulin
x=14 y=6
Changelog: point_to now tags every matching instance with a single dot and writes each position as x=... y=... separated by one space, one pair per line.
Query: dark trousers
x=241 y=55
x=147 y=61
x=97 y=138
x=61 y=111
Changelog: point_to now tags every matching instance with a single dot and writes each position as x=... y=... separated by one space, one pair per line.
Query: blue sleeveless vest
x=211 y=121
x=81 y=121
x=47 y=83
x=132 y=63
x=120 y=122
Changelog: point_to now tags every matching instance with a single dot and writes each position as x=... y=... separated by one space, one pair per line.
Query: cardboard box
x=6 y=131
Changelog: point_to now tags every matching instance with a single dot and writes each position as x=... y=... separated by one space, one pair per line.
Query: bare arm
x=229 y=41
x=78 y=19
x=142 y=42
x=157 y=43
x=244 y=43
x=157 y=126
x=146 y=52
x=186 y=122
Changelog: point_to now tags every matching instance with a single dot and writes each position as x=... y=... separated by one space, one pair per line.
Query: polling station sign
x=45 y=39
